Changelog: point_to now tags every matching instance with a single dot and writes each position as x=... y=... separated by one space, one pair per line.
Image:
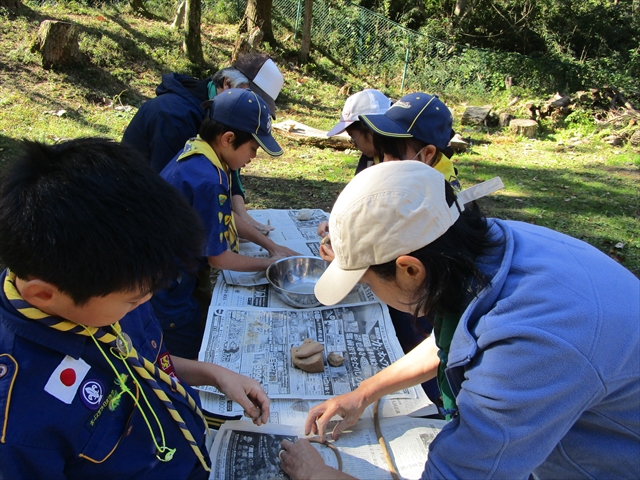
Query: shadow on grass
x=282 y=193
x=596 y=207
x=9 y=148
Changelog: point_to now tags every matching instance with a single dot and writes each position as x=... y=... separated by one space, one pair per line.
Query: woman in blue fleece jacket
x=537 y=334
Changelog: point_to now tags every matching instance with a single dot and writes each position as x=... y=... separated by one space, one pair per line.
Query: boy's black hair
x=397 y=147
x=452 y=274
x=364 y=129
x=90 y=217
x=212 y=129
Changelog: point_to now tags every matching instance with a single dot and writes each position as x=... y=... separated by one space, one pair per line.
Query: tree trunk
x=461 y=5
x=11 y=5
x=246 y=43
x=306 y=31
x=180 y=14
x=57 y=42
x=192 y=39
x=258 y=14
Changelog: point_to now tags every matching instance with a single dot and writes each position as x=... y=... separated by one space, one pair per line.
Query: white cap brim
x=340 y=127
x=335 y=283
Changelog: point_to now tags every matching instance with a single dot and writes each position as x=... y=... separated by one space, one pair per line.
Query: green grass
x=567 y=179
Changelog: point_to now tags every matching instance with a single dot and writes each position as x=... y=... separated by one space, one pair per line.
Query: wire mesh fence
x=367 y=43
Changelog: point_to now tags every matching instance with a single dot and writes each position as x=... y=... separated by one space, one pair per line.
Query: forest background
x=579 y=174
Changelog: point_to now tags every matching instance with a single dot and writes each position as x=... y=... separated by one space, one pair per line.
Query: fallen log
x=311 y=136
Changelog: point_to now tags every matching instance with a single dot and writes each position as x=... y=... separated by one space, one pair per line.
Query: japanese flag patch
x=66 y=378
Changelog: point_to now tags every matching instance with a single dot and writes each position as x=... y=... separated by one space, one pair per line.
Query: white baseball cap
x=264 y=77
x=386 y=211
x=366 y=102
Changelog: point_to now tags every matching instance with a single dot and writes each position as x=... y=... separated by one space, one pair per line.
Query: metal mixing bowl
x=294 y=278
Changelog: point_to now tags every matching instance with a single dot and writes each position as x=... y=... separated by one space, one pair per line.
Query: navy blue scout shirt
x=44 y=437
x=366 y=162
x=206 y=189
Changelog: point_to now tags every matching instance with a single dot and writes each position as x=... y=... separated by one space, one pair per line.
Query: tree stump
x=57 y=42
x=475 y=115
x=525 y=127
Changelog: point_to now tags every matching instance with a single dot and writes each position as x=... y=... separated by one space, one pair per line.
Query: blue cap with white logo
x=417 y=115
x=244 y=110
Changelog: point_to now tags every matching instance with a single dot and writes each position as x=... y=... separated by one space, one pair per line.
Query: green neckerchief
x=212 y=90
x=444 y=327
x=197 y=146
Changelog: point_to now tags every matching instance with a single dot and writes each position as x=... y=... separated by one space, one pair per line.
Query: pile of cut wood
x=613 y=111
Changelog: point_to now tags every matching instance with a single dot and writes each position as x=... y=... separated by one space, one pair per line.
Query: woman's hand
x=348 y=406
x=303 y=462
x=327 y=253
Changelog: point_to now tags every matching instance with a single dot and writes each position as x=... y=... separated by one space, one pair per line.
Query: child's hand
x=248 y=393
x=264 y=229
x=281 y=251
x=323 y=229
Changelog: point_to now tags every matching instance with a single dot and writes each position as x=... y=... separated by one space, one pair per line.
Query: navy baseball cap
x=417 y=115
x=246 y=111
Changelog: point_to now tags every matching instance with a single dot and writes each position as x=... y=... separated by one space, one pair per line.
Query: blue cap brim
x=269 y=144
x=385 y=126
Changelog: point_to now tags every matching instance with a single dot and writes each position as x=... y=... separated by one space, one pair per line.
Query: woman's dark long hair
x=452 y=275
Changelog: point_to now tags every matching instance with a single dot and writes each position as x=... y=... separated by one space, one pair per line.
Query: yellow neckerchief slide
x=197 y=146
x=122 y=349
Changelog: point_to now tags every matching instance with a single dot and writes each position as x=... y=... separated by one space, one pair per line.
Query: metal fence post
x=360 y=35
x=406 y=63
x=298 y=14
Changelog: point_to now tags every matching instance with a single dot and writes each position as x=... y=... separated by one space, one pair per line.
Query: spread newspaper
x=251 y=331
x=297 y=229
x=242 y=450
x=256 y=342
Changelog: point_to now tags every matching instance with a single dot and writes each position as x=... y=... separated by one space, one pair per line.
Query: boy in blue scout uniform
x=87 y=387
x=238 y=123
x=419 y=127
x=163 y=124
x=368 y=101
